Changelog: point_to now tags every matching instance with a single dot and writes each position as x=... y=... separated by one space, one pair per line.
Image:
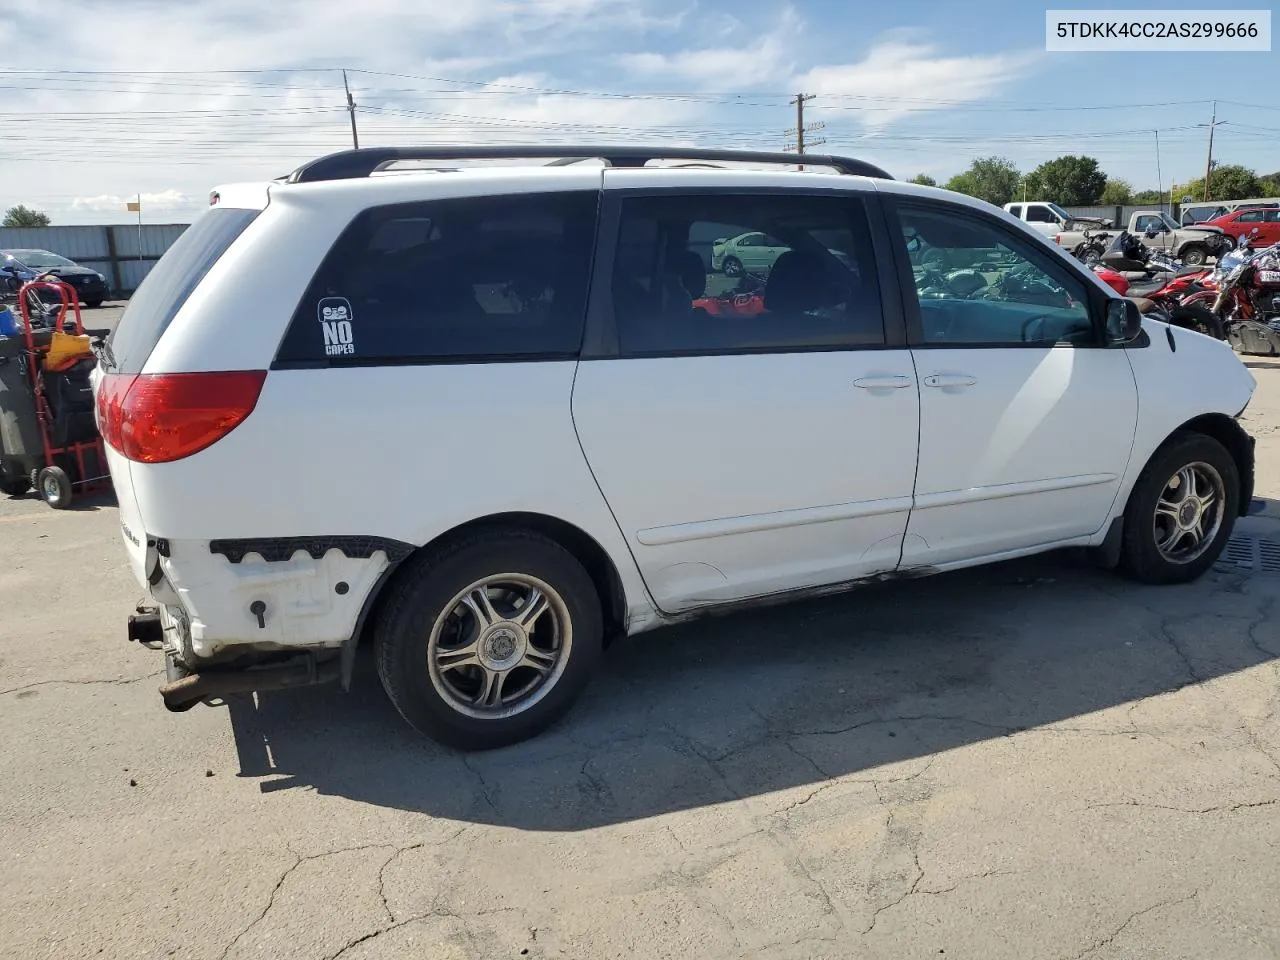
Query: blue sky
x=139 y=96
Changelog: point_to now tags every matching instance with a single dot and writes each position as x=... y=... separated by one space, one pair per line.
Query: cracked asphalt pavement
x=1035 y=759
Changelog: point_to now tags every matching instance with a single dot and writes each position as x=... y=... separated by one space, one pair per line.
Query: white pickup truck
x=1049 y=218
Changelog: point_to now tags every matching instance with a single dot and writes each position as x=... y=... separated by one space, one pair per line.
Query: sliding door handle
x=883 y=383
x=950 y=380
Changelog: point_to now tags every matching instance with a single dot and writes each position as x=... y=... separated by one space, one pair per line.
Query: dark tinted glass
x=171 y=281
x=477 y=278
x=692 y=276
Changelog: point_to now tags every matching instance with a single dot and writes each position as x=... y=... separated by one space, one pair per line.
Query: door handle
x=950 y=380
x=882 y=383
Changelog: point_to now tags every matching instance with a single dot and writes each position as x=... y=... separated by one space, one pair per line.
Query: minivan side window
x=980 y=284
x=682 y=284
x=472 y=279
x=170 y=282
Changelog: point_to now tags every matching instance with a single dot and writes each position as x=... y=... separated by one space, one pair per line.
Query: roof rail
x=353 y=164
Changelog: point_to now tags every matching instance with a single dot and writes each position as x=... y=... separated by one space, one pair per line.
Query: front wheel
x=1198 y=318
x=1181 y=511
x=490 y=640
x=1194 y=256
x=93 y=304
x=732 y=267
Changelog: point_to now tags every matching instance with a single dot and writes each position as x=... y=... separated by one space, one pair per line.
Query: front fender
x=1186 y=380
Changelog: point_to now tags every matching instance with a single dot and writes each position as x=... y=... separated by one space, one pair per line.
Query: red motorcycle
x=1246 y=300
x=1167 y=295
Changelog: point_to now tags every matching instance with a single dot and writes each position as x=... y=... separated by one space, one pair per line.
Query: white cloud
x=726 y=68
x=905 y=77
x=166 y=201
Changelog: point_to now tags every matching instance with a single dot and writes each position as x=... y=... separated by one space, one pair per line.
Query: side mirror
x=1124 y=322
x=913 y=244
x=1150 y=233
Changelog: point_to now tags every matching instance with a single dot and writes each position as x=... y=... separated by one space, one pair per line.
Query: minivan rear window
x=171 y=281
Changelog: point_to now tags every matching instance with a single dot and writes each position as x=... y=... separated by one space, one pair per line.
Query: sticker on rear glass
x=335 y=317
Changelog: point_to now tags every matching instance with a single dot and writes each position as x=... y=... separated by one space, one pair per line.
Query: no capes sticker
x=335 y=317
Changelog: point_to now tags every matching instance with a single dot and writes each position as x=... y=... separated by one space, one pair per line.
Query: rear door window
x=474 y=279
x=171 y=281
x=680 y=289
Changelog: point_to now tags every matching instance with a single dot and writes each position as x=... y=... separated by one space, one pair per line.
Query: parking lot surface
x=1035 y=759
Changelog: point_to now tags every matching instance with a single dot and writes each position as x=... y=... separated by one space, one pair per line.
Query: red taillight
x=156 y=418
x=110 y=402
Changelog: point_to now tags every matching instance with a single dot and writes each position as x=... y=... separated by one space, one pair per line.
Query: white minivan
x=490 y=416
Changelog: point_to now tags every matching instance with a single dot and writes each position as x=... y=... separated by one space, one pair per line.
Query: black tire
x=425 y=592
x=55 y=487
x=93 y=304
x=731 y=266
x=14 y=486
x=1194 y=255
x=1200 y=319
x=1140 y=557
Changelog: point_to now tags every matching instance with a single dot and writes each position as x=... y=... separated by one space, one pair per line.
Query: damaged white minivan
x=489 y=416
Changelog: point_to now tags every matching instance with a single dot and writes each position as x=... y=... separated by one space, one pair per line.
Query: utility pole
x=1208 y=164
x=1160 y=176
x=800 y=129
x=351 y=109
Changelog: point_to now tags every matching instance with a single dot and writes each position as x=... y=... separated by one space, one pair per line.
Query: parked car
x=1193 y=245
x=1193 y=214
x=90 y=286
x=753 y=252
x=561 y=448
x=1260 y=224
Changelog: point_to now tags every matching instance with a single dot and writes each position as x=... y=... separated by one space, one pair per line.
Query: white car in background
x=755 y=253
x=484 y=419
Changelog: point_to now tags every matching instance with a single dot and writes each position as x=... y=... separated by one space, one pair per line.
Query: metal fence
x=114 y=251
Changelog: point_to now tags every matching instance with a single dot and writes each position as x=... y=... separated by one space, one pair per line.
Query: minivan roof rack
x=353 y=164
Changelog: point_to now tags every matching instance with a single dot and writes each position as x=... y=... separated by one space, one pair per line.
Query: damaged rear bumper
x=184 y=688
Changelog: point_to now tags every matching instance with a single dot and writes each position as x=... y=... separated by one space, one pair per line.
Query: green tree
x=1230 y=182
x=924 y=180
x=1070 y=181
x=1149 y=196
x=993 y=179
x=1117 y=191
x=1269 y=184
x=20 y=216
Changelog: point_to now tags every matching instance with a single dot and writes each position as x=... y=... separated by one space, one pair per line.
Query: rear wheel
x=55 y=487
x=489 y=640
x=1181 y=511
